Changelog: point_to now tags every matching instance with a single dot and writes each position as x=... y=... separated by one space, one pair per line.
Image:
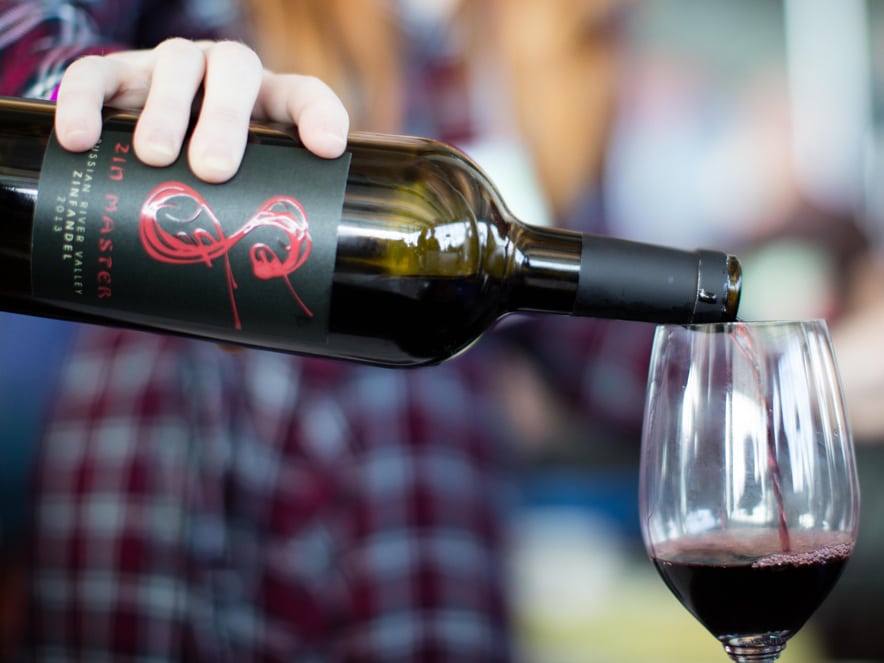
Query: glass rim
x=725 y=326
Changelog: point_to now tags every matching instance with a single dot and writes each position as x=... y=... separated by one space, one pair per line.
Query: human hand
x=163 y=81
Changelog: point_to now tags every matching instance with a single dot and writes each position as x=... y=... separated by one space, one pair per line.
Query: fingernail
x=339 y=140
x=75 y=133
x=218 y=161
x=157 y=149
x=78 y=138
x=75 y=138
x=163 y=147
x=330 y=144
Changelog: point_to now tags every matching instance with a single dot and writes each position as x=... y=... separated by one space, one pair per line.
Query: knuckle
x=314 y=85
x=238 y=55
x=86 y=65
x=304 y=87
x=179 y=48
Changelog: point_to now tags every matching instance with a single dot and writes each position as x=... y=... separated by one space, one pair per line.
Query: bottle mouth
x=733 y=287
x=718 y=287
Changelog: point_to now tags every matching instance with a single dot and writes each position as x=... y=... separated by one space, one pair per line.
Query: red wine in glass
x=733 y=595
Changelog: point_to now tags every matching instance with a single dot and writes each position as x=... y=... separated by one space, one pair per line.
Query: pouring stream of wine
x=744 y=344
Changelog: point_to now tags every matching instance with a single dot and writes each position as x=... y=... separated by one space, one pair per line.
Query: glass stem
x=755 y=649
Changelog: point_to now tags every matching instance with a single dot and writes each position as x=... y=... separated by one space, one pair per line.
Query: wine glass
x=749 y=498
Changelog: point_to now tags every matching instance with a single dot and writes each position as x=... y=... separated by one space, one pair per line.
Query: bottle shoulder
x=443 y=174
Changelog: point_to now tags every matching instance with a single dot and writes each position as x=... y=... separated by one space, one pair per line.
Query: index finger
x=85 y=87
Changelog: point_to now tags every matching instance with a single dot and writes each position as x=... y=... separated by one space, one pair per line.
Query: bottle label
x=249 y=261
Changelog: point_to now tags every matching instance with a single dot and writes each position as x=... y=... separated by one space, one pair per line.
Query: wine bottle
x=399 y=253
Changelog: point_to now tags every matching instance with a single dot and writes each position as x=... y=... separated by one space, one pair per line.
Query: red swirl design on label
x=200 y=237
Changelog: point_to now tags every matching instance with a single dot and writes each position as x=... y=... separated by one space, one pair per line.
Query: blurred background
x=752 y=127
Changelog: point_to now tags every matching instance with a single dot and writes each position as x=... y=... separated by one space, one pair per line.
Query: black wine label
x=250 y=260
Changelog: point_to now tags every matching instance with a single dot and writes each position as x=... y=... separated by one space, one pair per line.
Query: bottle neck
x=546 y=269
x=561 y=271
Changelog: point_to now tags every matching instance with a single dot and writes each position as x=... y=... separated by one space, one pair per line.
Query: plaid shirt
x=202 y=506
